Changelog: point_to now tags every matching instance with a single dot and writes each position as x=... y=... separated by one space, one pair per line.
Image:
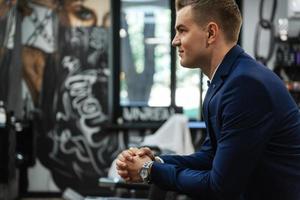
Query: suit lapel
x=222 y=72
x=213 y=88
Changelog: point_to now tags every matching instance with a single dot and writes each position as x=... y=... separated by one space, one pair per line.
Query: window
x=145 y=53
x=187 y=91
x=147 y=75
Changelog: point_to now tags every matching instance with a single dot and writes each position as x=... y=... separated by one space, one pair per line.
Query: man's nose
x=175 y=42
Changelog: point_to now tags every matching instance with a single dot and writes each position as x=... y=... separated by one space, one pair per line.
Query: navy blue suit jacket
x=253 y=148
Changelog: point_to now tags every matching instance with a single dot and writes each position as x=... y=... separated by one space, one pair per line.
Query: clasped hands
x=130 y=162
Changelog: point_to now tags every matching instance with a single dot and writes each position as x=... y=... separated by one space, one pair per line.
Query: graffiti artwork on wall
x=77 y=149
x=38 y=39
x=65 y=65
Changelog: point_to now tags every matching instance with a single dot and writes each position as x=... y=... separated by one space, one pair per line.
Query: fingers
x=132 y=151
x=145 y=151
x=128 y=155
x=124 y=174
x=122 y=168
x=123 y=158
x=121 y=165
x=123 y=161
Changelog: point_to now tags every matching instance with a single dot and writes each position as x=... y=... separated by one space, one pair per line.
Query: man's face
x=190 y=39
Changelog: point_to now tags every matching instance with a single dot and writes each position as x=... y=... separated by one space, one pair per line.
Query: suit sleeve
x=201 y=160
x=246 y=120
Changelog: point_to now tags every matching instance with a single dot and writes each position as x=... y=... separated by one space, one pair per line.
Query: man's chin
x=186 y=65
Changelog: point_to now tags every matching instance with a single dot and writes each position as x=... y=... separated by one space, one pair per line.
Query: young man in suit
x=253 y=147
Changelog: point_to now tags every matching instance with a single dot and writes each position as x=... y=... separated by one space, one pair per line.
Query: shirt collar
x=212 y=77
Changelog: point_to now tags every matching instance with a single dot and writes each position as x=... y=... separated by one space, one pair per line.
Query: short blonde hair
x=224 y=12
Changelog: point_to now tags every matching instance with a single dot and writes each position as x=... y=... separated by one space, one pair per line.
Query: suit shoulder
x=249 y=68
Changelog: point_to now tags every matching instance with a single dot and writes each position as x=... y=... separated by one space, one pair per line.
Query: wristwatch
x=145 y=171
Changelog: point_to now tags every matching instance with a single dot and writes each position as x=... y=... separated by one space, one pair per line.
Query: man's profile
x=252 y=151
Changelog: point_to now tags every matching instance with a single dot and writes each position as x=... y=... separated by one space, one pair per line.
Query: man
x=253 y=124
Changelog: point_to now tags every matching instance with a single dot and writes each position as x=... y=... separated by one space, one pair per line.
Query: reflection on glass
x=188 y=90
x=145 y=53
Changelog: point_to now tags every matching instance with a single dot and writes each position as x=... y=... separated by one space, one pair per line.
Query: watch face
x=144 y=173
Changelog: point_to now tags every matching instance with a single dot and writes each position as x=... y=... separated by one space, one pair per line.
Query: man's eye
x=180 y=30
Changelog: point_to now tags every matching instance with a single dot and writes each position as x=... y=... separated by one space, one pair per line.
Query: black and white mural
x=75 y=105
x=73 y=145
x=38 y=44
x=71 y=100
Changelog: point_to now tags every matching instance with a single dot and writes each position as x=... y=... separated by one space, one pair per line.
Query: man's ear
x=212 y=32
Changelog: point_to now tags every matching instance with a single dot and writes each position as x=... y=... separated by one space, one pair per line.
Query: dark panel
x=240 y=4
x=114 y=60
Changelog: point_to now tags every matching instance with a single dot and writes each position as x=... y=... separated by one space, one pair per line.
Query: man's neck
x=217 y=56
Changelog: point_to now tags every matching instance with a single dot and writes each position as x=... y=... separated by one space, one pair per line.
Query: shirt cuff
x=158 y=159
